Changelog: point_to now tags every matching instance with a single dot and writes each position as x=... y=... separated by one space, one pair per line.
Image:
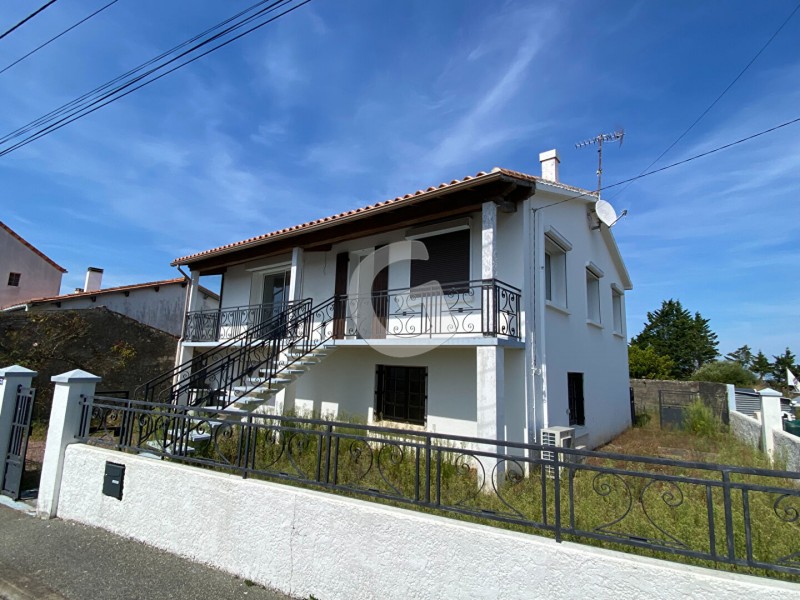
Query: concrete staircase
x=254 y=394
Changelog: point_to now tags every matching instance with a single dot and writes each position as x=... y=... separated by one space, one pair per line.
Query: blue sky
x=347 y=102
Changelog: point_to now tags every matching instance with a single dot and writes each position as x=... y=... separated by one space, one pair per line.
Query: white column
x=770 y=418
x=65 y=418
x=491 y=403
x=489 y=240
x=296 y=276
x=194 y=302
x=10 y=380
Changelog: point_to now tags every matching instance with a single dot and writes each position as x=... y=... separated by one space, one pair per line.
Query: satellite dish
x=605 y=212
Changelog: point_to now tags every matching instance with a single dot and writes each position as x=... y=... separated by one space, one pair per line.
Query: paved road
x=58 y=560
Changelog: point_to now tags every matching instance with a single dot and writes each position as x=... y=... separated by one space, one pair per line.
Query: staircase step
x=248 y=401
x=156 y=445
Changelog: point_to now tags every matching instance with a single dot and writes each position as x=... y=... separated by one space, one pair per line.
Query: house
x=491 y=306
x=159 y=304
x=25 y=271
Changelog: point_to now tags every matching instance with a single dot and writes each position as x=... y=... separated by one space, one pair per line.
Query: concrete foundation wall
x=305 y=542
x=646 y=394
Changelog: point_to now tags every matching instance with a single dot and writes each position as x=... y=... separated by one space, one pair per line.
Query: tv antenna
x=599 y=139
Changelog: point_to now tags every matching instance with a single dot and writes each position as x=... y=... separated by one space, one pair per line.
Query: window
x=13 y=279
x=401 y=393
x=555 y=268
x=448 y=260
x=593 y=275
x=616 y=308
x=575 y=395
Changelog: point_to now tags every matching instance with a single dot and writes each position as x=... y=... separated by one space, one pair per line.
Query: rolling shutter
x=448 y=261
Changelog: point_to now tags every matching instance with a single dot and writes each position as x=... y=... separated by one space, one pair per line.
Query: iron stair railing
x=183 y=385
x=300 y=329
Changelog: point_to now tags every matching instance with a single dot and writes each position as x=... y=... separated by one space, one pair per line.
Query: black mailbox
x=112 y=481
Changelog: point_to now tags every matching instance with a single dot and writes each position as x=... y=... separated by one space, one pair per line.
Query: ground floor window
x=401 y=393
x=575 y=394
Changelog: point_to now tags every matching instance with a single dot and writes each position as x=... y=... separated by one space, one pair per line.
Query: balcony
x=486 y=307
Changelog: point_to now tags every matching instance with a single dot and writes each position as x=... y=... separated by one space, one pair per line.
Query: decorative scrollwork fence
x=717 y=513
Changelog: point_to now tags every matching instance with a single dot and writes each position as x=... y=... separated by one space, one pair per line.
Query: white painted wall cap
x=17 y=371
x=75 y=376
x=548 y=155
x=769 y=392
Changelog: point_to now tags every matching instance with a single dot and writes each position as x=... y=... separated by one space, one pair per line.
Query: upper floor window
x=13 y=279
x=448 y=260
x=616 y=309
x=593 y=275
x=555 y=268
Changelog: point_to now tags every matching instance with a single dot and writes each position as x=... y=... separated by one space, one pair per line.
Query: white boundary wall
x=786 y=445
x=306 y=542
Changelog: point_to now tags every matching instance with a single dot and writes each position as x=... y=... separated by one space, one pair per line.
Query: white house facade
x=491 y=306
x=158 y=304
x=25 y=272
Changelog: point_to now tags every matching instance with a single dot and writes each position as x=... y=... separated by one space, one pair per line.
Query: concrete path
x=57 y=560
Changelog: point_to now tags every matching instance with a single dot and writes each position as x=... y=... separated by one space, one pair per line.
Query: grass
x=631 y=505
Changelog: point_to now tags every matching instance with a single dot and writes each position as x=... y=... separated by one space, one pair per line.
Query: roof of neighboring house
x=121 y=288
x=430 y=193
x=31 y=247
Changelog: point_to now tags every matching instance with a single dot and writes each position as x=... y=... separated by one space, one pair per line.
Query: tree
x=761 y=365
x=685 y=339
x=646 y=363
x=725 y=371
x=743 y=356
x=783 y=362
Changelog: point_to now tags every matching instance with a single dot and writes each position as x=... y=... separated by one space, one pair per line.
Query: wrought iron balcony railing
x=485 y=307
x=226 y=323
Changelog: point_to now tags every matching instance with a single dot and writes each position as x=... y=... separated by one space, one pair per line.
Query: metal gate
x=14 y=456
x=672 y=407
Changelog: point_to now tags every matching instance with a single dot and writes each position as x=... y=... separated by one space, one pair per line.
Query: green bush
x=725 y=371
x=700 y=420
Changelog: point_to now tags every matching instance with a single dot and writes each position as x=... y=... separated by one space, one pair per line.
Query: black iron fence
x=716 y=513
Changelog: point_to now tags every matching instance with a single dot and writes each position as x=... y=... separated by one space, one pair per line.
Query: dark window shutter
x=448 y=261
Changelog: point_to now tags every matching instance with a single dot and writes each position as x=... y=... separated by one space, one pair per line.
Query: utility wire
x=64 y=108
x=718 y=98
x=102 y=95
x=26 y=19
x=675 y=164
x=53 y=39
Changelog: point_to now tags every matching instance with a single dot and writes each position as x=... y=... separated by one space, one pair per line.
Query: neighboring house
x=159 y=304
x=525 y=331
x=25 y=272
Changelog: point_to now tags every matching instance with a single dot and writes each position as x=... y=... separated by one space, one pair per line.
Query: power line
x=85 y=97
x=93 y=101
x=53 y=39
x=718 y=98
x=680 y=162
x=26 y=19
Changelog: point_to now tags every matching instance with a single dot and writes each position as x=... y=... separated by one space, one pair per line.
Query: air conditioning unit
x=561 y=437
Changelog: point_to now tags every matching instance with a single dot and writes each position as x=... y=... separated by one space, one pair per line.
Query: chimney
x=94 y=277
x=549 y=162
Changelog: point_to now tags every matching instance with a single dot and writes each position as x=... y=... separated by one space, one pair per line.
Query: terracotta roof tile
x=371 y=207
x=31 y=247
x=121 y=288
